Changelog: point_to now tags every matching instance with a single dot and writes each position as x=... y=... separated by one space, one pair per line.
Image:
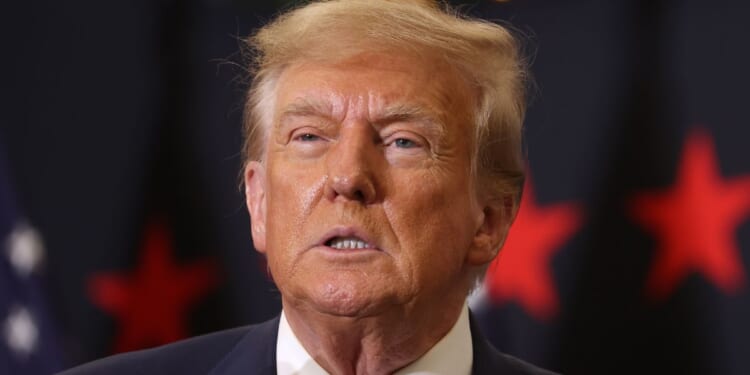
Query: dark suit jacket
x=252 y=350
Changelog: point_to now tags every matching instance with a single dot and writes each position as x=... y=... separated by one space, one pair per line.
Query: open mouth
x=347 y=243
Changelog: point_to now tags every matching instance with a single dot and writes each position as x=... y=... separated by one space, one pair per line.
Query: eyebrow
x=405 y=112
x=307 y=107
x=415 y=114
x=397 y=112
x=303 y=107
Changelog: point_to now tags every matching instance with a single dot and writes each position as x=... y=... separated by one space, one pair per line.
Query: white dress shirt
x=452 y=355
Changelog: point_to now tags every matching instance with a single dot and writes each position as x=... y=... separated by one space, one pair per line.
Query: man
x=383 y=171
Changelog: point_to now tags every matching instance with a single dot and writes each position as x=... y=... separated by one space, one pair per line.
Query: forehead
x=374 y=85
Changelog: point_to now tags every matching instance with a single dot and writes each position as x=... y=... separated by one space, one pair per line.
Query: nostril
x=359 y=195
x=351 y=184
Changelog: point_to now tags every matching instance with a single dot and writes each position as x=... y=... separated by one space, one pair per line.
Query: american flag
x=27 y=343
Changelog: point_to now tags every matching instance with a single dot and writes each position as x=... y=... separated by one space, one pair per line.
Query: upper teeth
x=349 y=243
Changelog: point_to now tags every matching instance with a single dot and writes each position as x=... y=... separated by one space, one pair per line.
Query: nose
x=352 y=165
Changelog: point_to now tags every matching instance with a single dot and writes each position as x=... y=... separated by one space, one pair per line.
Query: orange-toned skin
x=377 y=146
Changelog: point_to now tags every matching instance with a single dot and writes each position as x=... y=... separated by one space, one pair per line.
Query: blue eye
x=404 y=143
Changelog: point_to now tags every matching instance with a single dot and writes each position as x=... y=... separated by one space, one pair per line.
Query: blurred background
x=123 y=227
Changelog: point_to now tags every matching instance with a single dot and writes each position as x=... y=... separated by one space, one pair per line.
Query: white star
x=20 y=331
x=25 y=249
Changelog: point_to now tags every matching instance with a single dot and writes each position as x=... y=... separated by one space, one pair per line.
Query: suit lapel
x=255 y=353
x=486 y=359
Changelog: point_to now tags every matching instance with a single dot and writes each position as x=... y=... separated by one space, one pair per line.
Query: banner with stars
x=123 y=143
x=28 y=342
x=630 y=253
x=631 y=249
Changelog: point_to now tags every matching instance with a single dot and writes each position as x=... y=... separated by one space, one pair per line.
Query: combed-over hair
x=484 y=53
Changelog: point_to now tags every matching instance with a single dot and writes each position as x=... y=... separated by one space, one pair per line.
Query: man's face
x=365 y=201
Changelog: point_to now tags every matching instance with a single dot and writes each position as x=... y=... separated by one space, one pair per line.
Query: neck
x=379 y=344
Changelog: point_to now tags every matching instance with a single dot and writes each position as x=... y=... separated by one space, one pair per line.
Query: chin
x=346 y=299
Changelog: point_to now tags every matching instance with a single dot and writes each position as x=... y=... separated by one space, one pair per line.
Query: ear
x=255 y=198
x=494 y=224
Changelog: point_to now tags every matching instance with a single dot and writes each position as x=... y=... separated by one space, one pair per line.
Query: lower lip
x=347 y=253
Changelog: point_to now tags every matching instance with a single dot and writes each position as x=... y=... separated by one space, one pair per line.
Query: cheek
x=433 y=223
x=290 y=199
x=293 y=191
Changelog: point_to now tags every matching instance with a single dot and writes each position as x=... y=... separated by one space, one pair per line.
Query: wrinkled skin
x=376 y=147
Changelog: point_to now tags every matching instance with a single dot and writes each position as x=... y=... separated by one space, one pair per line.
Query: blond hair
x=486 y=54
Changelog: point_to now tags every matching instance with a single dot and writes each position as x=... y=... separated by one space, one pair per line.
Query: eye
x=307 y=137
x=404 y=143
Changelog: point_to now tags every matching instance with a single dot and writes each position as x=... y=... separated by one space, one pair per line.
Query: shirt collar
x=451 y=355
x=291 y=356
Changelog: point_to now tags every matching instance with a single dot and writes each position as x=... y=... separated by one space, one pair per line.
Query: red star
x=151 y=303
x=522 y=269
x=695 y=221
